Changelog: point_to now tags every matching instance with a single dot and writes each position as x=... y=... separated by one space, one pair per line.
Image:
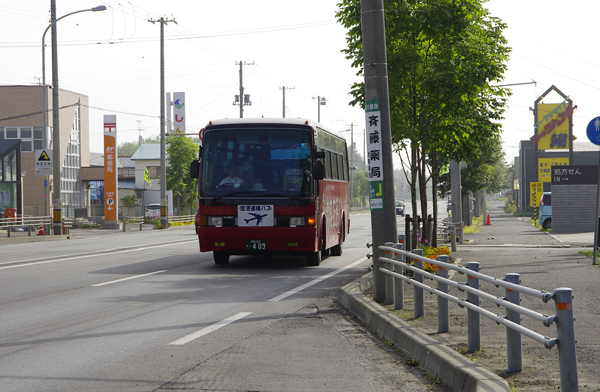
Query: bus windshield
x=249 y=162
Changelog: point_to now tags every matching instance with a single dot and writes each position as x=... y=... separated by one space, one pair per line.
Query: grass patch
x=586 y=253
x=474 y=228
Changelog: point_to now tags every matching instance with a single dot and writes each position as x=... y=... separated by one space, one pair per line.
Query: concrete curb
x=456 y=372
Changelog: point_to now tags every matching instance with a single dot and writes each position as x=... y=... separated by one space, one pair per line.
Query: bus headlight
x=297 y=221
x=215 y=221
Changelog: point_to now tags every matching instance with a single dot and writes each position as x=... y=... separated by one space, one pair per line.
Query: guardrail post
x=124 y=223
x=461 y=233
x=514 y=352
x=389 y=279
x=473 y=318
x=418 y=296
x=452 y=231
x=407 y=234
x=398 y=283
x=443 y=314
x=565 y=328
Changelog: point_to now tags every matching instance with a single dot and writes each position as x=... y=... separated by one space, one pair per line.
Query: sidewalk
x=508 y=245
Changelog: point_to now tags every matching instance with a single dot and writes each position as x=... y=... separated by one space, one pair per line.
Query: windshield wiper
x=282 y=195
x=237 y=193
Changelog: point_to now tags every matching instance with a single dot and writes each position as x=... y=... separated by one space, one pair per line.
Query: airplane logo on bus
x=258 y=218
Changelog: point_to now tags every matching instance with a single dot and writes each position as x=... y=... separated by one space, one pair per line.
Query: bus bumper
x=237 y=240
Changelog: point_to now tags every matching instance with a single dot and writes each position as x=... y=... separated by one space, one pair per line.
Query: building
x=21 y=112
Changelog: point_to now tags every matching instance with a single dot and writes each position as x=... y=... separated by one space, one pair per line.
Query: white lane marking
x=209 y=329
x=315 y=281
x=92 y=255
x=555 y=237
x=99 y=251
x=131 y=277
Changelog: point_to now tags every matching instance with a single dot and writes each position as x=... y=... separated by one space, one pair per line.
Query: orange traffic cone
x=41 y=229
x=488 y=220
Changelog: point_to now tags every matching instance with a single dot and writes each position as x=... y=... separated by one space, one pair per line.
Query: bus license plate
x=256 y=244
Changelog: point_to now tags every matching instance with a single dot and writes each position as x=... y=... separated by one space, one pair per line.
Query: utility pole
x=320 y=101
x=163 y=144
x=56 y=205
x=377 y=106
x=243 y=99
x=352 y=168
x=283 y=88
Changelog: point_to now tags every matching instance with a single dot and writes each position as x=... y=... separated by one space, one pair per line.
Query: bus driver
x=232 y=179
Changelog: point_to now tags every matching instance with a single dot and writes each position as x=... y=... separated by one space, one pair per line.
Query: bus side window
x=341 y=168
x=327 y=162
x=334 y=168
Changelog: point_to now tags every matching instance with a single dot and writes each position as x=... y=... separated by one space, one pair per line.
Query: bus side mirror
x=195 y=169
x=318 y=170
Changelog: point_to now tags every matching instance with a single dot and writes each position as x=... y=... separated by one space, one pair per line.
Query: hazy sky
x=113 y=57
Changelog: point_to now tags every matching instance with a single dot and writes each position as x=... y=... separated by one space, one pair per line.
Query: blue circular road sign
x=593 y=131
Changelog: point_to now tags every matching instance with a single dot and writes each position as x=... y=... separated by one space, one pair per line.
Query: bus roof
x=260 y=120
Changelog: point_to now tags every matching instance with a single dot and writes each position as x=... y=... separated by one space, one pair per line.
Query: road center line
x=28 y=264
x=124 y=279
x=315 y=281
x=209 y=329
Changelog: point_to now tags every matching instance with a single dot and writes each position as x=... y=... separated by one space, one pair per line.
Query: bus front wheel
x=221 y=258
x=313 y=259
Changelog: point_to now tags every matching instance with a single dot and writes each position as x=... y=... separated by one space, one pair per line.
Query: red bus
x=272 y=186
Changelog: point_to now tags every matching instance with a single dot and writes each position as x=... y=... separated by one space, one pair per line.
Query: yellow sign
x=536 y=193
x=545 y=167
x=552 y=126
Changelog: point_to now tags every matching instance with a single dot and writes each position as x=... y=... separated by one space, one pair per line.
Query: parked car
x=545 y=213
x=400 y=208
x=152 y=211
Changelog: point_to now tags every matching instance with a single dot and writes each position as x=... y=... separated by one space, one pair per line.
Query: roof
x=97 y=159
x=585 y=146
x=275 y=120
x=8 y=145
x=126 y=184
x=147 y=152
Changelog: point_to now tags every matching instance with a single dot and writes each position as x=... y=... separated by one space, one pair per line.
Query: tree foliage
x=442 y=56
x=181 y=150
x=127 y=149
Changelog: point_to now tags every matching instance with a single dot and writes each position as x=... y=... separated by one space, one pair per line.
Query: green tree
x=127 y=149
x=442 y=56
x=181 y=150
x=361 y=187
x=129 y=201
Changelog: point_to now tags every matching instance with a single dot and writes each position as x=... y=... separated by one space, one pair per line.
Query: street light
x=56 y=129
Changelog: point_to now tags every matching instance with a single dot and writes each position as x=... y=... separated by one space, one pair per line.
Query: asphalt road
x=145 y=311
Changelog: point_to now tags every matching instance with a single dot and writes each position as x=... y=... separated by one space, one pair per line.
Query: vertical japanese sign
x=374 y=153
x=179 y=112
x=110 y=168
x=536 y=193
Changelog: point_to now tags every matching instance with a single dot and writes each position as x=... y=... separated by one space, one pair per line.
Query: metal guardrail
x=394 y=267
x=132 y=220
x=181 y=218
x=32 y=223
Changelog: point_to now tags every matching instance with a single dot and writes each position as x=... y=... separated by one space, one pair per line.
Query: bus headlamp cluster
x=215 y=221
x=303 y=221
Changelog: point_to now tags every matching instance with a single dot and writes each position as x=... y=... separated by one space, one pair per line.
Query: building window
x=12 y=133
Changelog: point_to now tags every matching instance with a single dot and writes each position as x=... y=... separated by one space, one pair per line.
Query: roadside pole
x=379 y=139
